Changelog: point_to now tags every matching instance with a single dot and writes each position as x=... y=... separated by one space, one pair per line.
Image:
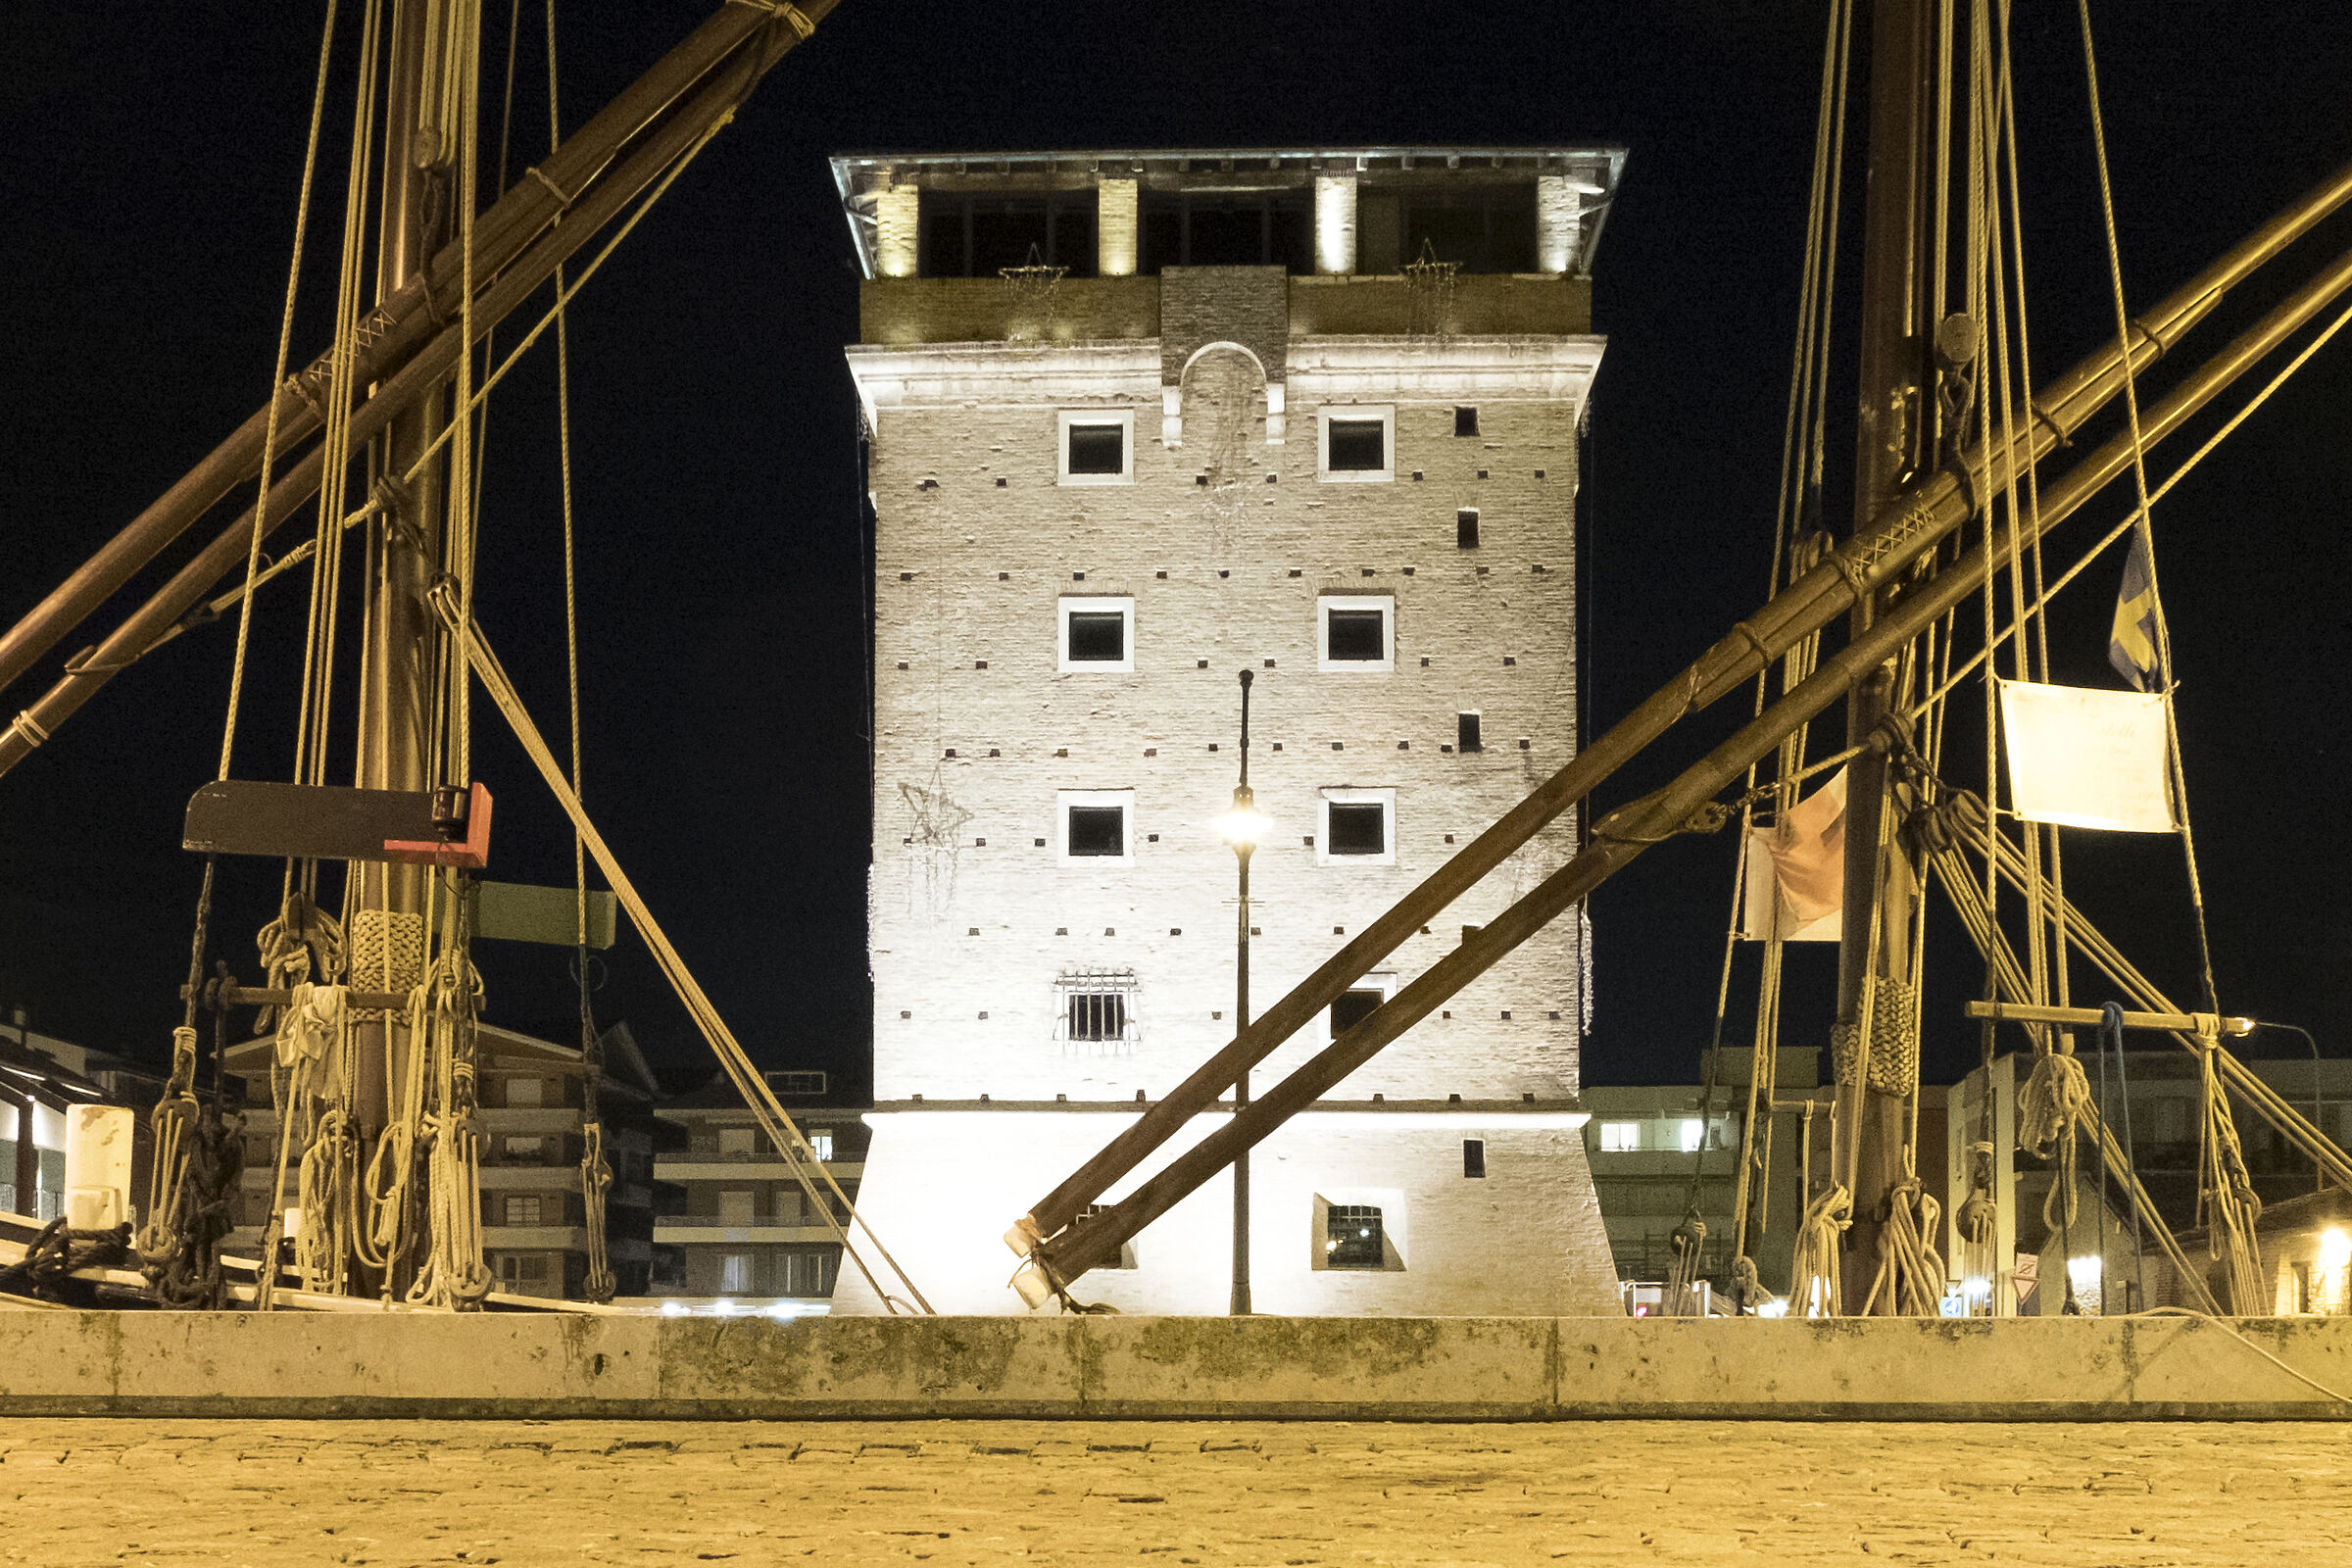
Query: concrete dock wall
x=1514 y=1369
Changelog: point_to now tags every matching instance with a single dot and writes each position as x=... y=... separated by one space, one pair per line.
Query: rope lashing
x=1813 y=1279
x=2052 y=1107
x=564 y=198
x=29 y=727
x=1687 y=1241
x=1910 y=1268
x=2226 y=1203
x=1891 y=1064
x=52 y=1257
x=1747 y=1293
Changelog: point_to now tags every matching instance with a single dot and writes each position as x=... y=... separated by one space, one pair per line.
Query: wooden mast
x=419 y=209
x=1895 y=441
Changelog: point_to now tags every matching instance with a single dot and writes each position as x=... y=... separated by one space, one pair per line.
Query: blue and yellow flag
x=2131 y=644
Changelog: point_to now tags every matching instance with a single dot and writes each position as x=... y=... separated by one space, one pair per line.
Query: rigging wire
x=1803 y=441
x=2140 y=481
x=277 y=388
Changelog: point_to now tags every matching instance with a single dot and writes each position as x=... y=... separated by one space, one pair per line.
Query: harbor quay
x=78 y=1492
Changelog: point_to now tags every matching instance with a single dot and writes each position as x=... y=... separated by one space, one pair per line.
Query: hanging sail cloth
x=1794 y=884
x=2131 y=643
x=2085 y=757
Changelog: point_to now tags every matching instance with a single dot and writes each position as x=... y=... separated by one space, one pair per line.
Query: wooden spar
x=409 y=317
x=1621 y=836
x=1928 y=511
x=1896 y=434
x=2092 y=1017
x=614 y=189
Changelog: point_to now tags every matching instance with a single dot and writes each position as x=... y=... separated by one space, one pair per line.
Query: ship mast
x=1895 y=441
x=421 y=145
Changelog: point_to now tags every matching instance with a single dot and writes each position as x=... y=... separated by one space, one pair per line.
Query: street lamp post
x=1242 y=827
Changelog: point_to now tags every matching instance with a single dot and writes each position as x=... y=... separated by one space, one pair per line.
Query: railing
x=771 y=1219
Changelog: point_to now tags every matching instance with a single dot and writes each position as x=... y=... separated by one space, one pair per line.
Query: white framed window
x=523 y=1209
x=1098 y=445
x=1356 y=442
x=1355 y=632
x=1356 y=1002
x=1356 y=828
x=1097 y=635
x=820 y=1141
x=1620 y=1136
x=1095 y=827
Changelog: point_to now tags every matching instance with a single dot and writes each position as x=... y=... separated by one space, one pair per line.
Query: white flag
x=1794 y=879
x=2085 y=757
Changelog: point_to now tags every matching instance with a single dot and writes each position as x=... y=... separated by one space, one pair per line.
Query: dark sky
x=146 y=209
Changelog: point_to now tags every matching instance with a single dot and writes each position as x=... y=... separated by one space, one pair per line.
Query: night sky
x=146 y=209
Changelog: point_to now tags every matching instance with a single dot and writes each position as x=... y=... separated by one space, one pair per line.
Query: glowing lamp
x=1244 y=824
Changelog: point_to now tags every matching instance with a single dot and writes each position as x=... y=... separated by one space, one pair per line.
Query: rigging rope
x=2139 y=482
x=596 y=1174
x=733 y=1060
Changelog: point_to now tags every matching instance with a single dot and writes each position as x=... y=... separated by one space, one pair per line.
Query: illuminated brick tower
x=1136 y=421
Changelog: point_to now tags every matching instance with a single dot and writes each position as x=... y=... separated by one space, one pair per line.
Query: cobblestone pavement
x=660 y=1494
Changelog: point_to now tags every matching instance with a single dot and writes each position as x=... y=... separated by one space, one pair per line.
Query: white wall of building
x=1526 y=1238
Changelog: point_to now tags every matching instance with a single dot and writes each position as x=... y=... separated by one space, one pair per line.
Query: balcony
x=786 y=1226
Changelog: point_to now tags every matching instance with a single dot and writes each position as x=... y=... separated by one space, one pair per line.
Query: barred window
x=1097 y=1015
x=1095 y=1009
x=1352 y=1237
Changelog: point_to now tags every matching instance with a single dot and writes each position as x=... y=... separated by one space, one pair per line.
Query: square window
x=521 y=1268
x=1098 y=445
x=1474 y=1158
x=1359 y=828
x=1357 y=632
x=1465 y=420
x=1126 y=1257
x=1358 y=443
x=1093 y=826
x=1356 y=828
x=1465 y=528
x=523 y=1209
x=1099 y=830
x=1353 y=1009
x=1465 y=732
x=1620 y=1136
x=1351 y=1237
x=1098 y=635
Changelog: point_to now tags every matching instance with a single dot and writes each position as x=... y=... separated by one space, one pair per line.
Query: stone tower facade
x=1138 y=421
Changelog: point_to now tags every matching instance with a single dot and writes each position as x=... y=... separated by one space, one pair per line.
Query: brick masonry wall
x=972 y=919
